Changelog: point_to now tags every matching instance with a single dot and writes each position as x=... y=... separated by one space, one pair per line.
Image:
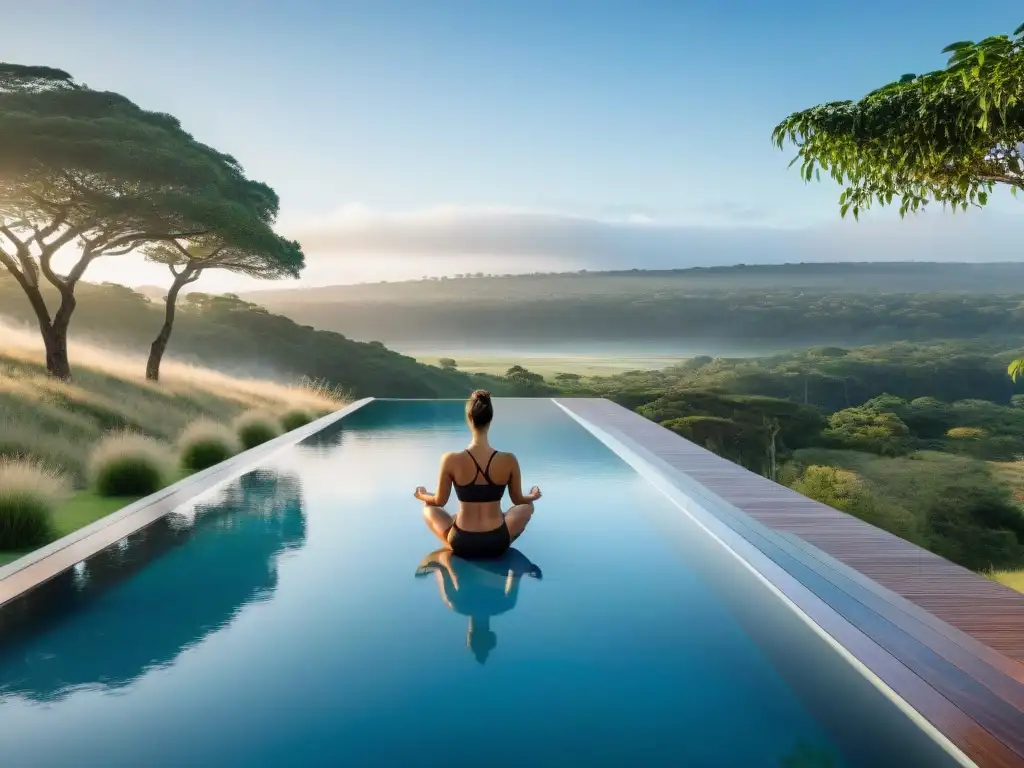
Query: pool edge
x=43 y=564
x=801 y=605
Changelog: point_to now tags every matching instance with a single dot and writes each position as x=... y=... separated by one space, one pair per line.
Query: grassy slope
x=1012 y=579
x=58 y=423
x=242 y=339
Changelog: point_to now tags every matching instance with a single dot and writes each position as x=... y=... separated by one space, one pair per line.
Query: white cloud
x=513 y=239
x=358 y=243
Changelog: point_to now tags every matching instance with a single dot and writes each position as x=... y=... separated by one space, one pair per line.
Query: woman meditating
x=480 y=475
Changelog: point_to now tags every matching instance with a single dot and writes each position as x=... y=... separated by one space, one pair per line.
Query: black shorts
x=479 y=544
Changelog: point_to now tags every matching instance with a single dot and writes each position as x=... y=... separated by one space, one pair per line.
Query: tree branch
x=120 y=251
x=140 y=237
x=12 y=266
x=181 y=249
x=45 y=261
x=28 y=269
x=53 y=226
x=76 y=272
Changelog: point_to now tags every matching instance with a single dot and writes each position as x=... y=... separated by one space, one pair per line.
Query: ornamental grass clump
x=206 y=443
x=255 y=428
x=130 y=464
x=295 y=418
x=29 y=494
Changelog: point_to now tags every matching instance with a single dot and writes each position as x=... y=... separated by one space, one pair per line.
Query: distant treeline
x=775 y=318
x=906 y=277
x=830 y=378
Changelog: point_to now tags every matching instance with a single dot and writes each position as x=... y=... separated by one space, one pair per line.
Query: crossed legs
x=440 y=522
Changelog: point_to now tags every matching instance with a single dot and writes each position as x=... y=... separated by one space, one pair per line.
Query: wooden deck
x=918 y=618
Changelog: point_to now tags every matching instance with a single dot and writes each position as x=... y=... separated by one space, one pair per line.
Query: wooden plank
x=961 y=633
x=902 y=567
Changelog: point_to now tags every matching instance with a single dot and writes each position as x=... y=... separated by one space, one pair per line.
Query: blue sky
x=367 y=117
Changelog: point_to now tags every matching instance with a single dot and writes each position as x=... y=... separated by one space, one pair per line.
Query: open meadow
x=547 y=364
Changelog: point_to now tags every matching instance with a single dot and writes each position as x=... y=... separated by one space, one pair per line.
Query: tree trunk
x=772 y=429
x=56 y=341
x=55 y=337
x=57 y=363
x=159 y=345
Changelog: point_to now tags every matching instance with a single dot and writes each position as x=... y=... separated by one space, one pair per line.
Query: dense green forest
x=923 y=440
x=234 y=336
x=782 y=306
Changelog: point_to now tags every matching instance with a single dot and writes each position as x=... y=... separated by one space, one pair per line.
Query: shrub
x=29 y=492
x=255 y=428
x=295 y=418
x=846 y=491
x=206 y=443
x=130 y=464
x=966 y=433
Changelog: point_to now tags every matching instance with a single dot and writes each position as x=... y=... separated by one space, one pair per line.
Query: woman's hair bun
x=479 y=408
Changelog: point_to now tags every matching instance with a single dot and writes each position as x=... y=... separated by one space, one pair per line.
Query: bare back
x=474 y=470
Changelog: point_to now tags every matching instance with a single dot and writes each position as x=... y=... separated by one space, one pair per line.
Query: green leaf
x=957 y=46
x=982 y=198
x=1015 y=369
x=1018 y=30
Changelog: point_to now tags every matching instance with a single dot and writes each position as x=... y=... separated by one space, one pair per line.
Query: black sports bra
x=480 y=492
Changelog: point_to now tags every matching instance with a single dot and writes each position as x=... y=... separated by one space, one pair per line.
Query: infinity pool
x=300 y=615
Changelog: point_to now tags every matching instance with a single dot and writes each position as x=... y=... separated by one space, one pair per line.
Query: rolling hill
x=239 y=338
x=783 y=305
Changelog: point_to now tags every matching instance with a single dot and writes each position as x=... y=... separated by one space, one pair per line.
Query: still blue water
x=297 y=616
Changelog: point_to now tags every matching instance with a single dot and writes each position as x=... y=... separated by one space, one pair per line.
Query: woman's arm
x=444 y=486
x=515 y=486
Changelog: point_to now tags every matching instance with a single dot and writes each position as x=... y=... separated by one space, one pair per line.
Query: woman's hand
x=421 y=494
x=534 y=494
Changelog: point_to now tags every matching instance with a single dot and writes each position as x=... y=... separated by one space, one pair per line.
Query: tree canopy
x=92 y=169
x=948 y=136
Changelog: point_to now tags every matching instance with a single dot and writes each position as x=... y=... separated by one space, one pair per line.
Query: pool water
x=303 y=614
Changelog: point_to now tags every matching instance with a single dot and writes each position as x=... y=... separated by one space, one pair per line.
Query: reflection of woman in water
x=479 y=590
x=480 y=475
